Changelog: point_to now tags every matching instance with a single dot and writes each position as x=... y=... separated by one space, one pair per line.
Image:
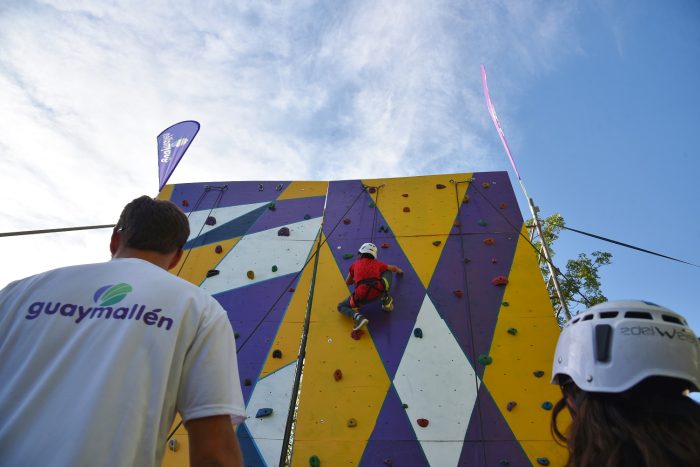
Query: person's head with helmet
x=368 y=250
x=624 y=368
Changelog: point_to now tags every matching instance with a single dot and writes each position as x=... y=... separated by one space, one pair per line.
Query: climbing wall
x=457 y=374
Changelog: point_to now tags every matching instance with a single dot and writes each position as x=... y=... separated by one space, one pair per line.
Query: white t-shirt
x=96 y=359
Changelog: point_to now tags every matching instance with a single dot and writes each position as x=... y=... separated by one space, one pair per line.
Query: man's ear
x=176 y=259
x=115 y=241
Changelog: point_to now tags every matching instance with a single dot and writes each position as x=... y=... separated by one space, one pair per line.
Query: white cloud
x=283 y=90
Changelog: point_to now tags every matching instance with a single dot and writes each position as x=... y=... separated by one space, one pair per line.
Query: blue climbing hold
x=264 y=412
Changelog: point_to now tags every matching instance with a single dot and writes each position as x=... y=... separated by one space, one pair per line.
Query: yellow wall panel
x=201 y=260
x=304 y=190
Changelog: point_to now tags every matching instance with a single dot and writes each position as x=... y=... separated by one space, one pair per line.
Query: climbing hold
x=437 y=242
x=418 y=332
x=218 y=249
x=274 y=268
x=457 y=224
x=512 y=331
x=485 y=359
x=485 y=185
x=271 y=206
x=352 y=423
x=247 y=382
x=489 y=241
x=458 y=293
x=264 y=412
x=384 y=228
x=543 y=461
x=212 y=272
x=511 y=405
x=261 y=187
x=291 y=289
x=277 y=353
x=405 y=195
x=307 y=217
x=314 y=461
x=504 y=462
x=236 y=334
x=388 y=462
x=211 y=220
x=385 y=245
x=406 y=209
x=440 y=186
x=499 y=280
x=173 y=445
x=372 y=190
x=503 y=206
x=346 y=221
x=546 y=405
x=422 y=422
x=348 y=255
x=283 y=232
x=357 y=334
x=185 y=203
x=467 y=261
x=405 y=406
x=250 y=274
x=538 y=373
x=371 y=204
x=278 y=187
x=505 y=304
x=338 y=375
x=482 y=222
x=494 y=261
x=465 y=199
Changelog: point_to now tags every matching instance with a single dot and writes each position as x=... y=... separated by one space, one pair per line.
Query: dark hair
x=152 y=224
x=652 y=424
x=367 y=255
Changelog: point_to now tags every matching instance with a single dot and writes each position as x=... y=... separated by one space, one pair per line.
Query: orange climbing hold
x=385 y=245
x=458 y=293
x=346 y=221
x=503 y=206
x=250 y=274
x=406 y=209
x=357 y=334
x=499 y=280
x=489 y=241
x=423 y=422
x=338 y=375
x=185 y=203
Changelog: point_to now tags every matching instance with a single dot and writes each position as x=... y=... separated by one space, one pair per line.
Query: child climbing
x=372 y=280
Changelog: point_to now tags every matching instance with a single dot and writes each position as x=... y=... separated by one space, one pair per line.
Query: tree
x=580 y=281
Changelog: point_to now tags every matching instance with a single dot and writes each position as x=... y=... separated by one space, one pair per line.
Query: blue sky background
x=599 y=101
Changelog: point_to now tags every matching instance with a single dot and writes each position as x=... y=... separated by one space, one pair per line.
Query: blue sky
x=599 y=101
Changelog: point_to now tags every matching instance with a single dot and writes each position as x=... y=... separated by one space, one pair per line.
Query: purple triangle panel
x=393 y=453
x=234 y=193
x=473 y=454
x=390 y=331
x=494 y=426
x=496 y=205
x=393 y=423
x=247 y=309
x=508 y=453
x=289 y=211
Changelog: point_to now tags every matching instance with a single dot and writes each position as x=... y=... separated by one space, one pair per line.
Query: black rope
x=63 y=229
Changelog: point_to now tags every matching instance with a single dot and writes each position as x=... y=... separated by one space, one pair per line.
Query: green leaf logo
x=111 y=294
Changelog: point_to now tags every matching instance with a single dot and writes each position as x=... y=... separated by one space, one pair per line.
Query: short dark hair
x=152 y=224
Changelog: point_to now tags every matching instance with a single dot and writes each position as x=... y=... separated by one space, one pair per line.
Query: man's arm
x=213 y=442
x=349 y=279
x=395 y=269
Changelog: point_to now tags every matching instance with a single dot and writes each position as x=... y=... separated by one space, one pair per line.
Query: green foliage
x=580 y=281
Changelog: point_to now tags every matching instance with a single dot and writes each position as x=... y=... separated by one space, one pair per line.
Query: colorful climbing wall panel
x=456 y=374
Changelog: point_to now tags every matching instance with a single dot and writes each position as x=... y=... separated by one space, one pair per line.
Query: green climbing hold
x=547 y=405
x=405 y=406
x=274 y=268
x=271 y=206
x=314 y=461
x=418 y=332
x=485 y=359
x=512 y=331
x=505 y=304
x=482 y=222
x=371 y=204
x=538 y=373
x=307 y=217
x=348 y=256
x=437 y=242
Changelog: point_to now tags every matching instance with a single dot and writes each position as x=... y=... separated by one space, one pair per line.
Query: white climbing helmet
x=370 y=248
x=614 y=345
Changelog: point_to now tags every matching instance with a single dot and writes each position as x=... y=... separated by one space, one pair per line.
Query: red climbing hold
x=458 y=223
x=218 y=249
x=372 y=189
x=385 y=245
x=185 y=203
x=489 y=241
x=338 y=375
x=494 y=261
x=503 y=206
x=440 y=186
x=291 y=289
x=211 y=220
x=406 y=209
x=346 y=221
x=499 y=280
x=458 y=293
x=357 y=334
x=283 y=232
x=422 y=422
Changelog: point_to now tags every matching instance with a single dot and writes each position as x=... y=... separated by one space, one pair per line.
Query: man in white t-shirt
x=96 y=359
